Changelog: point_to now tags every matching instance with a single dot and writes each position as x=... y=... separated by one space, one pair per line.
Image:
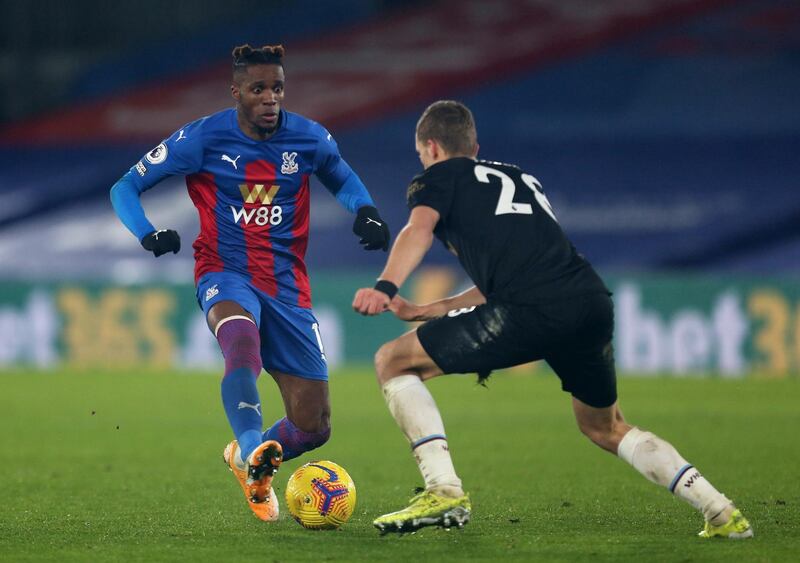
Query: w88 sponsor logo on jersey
x=272 y=214
x=267 y=213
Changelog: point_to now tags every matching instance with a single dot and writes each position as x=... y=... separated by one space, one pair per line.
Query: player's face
x=259 y=95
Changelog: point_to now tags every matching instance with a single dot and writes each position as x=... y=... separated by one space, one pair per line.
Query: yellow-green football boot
x=737 y=527
x=426 y=509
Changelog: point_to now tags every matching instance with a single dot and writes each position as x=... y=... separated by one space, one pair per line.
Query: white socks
x=662 y=464
x=415 y=411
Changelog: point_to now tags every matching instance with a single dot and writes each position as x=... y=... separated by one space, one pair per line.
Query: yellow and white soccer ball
x=321 y=495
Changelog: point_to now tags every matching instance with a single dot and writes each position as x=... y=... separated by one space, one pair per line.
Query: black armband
x=386 y=287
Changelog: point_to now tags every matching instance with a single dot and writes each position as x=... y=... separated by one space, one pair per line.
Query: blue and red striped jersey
x=252 y=196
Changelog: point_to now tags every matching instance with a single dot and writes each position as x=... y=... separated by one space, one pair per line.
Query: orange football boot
x=255 y=476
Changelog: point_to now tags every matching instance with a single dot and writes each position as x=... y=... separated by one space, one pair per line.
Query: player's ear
x=235 y=92
x=433 y=148
x=475 y=152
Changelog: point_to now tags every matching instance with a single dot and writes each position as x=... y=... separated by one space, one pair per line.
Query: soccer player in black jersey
x=534 y=298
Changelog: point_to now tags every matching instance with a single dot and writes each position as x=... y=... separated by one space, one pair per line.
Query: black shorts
x=574 y=336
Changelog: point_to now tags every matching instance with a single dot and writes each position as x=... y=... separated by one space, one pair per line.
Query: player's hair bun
x=268 y=54
x=242 y=51
x=276 y=50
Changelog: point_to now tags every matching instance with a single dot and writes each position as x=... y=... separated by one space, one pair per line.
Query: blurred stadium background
x=666 y=133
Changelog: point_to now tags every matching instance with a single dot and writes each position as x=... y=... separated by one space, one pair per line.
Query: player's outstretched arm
x=407 y=252
x=180 y=154
x=125 y=198
x=408 y=311
x=342 y=181
x=371 y=230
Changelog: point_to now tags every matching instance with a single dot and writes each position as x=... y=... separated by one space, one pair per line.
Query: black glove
x=161 y=242
x=373 y=230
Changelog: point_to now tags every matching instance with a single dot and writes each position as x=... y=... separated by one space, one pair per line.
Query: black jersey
x=497 y=220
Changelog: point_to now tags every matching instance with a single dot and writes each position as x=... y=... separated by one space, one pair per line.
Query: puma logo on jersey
x=289 y=165
x=256 y=407
x=180 y=136
x=369 y=220
x=226 y=158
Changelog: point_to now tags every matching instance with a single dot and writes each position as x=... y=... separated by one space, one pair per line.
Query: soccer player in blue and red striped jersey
x=247 y=171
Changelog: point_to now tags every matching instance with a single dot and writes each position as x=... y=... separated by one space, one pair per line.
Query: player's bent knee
x=400 y=357
x=384 y=359
x=322 y=429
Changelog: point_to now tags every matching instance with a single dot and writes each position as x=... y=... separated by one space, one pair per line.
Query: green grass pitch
x=127 y=467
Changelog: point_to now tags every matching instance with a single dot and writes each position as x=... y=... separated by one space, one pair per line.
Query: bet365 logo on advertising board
x=665 y=325
x=696 y=326
x=266 y=213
